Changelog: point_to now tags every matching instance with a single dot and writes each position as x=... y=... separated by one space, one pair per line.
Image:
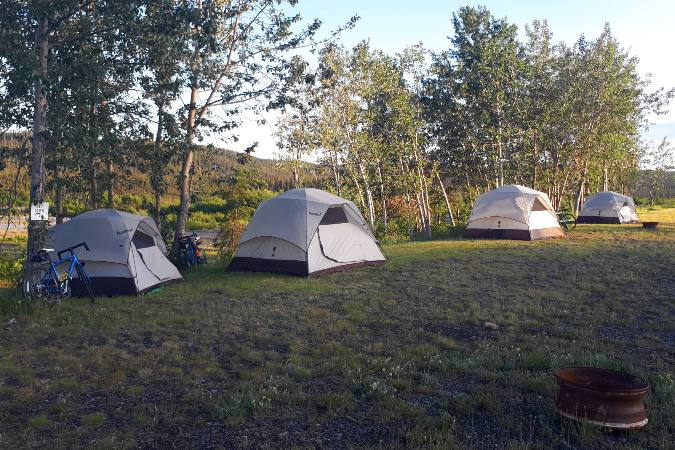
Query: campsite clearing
x=449 y=345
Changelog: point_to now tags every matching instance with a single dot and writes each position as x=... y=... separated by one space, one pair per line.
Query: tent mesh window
x=142 y=240
x=538 y=206
x=334 y=215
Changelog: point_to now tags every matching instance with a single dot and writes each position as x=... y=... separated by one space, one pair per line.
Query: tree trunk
x=336 y=173
x=156 y=178
x=534 y=168
x=369 y=195
x=186 y=168
x=296 y=176
x=93 y=185
x=423 y=221
x=605 y=185
x=422 y=199
x=500 y=163
x=580 y=197
x=382 y=196
x=581 y=190
x=37 y=230
x=355 y=180
x=445 y=197
x=158 y=209
x=427 y=204
x=111 y=186
x=424 y=192
x=58 y=196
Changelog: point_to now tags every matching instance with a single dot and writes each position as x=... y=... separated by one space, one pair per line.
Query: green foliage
x=241 y=404
x=656 y=202
x=200 y=220
x=38 y=422
x=501 y=111
x=244 y=193
x=11 y=302
x=93 y=420
x=11 y=265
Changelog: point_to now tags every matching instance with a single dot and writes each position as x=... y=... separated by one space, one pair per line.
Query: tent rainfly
x=608 y=207
x=513 y=212
x=126 y=255
x=306 y=232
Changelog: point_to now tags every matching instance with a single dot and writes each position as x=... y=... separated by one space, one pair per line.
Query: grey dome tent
x=608 y=207
x=127 y=254
x=306 y=232
x=513 y=212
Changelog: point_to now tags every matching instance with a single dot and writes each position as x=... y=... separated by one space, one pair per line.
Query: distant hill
x=217 y=166
x=214 y=168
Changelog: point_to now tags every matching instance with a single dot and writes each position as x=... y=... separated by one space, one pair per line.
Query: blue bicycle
x=52 y=280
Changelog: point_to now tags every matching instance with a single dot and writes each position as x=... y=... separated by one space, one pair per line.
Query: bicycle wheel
x=184 y=258
x=85 y=282
x=192 y=256
x=30 y=282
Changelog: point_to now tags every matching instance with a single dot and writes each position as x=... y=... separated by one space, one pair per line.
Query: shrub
x=11 y=264
x=199 y=220
x=232 y=226
x=211 y=205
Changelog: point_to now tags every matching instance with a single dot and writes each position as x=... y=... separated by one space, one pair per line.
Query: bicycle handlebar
x=70 y=249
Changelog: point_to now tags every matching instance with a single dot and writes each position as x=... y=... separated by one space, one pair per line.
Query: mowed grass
x=390 y=356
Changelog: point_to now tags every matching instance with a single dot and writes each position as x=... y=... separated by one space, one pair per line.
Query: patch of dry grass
x=666 y=216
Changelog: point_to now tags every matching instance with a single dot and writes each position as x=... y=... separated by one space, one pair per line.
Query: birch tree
x=40 y=42
x=236 y=52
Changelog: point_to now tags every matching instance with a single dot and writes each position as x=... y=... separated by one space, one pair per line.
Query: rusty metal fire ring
x=602 y=397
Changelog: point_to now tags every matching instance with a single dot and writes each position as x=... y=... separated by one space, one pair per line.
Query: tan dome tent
x=306 y=232
x=513 y=212
x=126 y=255
x=608 y=207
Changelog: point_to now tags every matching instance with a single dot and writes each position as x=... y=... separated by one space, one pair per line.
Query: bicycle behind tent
x=188 y=253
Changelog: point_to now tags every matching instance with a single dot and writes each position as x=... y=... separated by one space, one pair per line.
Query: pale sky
x=644 y=28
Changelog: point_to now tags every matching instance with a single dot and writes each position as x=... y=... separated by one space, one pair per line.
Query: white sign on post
x=39 y=211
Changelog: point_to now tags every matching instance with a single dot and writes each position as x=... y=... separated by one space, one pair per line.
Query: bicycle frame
x=56 y=283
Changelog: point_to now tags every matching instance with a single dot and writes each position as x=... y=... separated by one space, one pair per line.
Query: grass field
x=657 y=214
x=397 y=355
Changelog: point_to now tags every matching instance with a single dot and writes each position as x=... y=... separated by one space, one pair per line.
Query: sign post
x=39 y=212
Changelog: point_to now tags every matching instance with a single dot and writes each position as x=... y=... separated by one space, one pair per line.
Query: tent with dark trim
x=608 y=207
x=513 y=212
x=306 y=232
x=126 y=256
